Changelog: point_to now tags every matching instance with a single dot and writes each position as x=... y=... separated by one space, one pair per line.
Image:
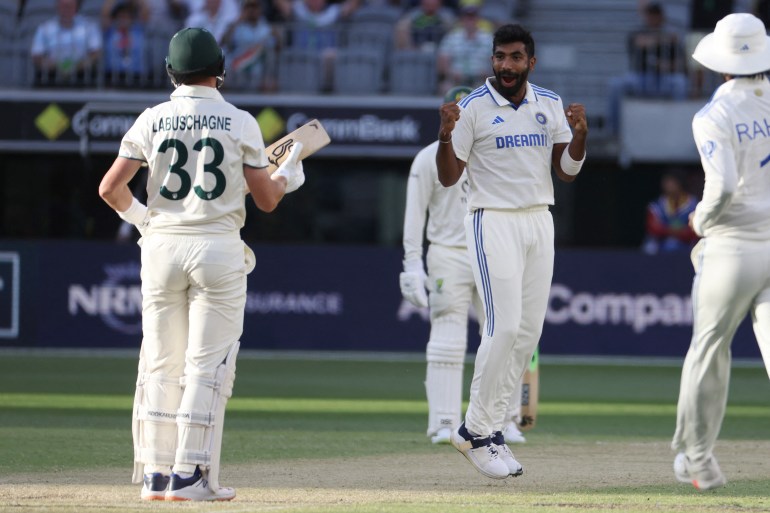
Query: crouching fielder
x=203 y=155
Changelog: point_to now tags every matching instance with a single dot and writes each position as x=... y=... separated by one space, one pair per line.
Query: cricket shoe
x=504 y=453
x=513 y=435
x=442 y=436
x=195 y=488
x=481 y=452
x=154 y=487
x=710 y=476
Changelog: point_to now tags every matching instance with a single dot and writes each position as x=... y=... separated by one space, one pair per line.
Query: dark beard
x=510 y=92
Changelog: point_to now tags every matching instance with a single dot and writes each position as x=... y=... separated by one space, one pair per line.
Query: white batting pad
x=200 y=430
x=443 y=386
x=154 y=430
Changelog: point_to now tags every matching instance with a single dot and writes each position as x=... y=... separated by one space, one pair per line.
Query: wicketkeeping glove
x=291 y=169
x=412 y=282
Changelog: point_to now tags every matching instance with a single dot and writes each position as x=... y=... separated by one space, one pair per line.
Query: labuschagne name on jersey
x=190 y=122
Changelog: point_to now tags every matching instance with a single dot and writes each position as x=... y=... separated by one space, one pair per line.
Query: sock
x=184 y=470
x=157 y=469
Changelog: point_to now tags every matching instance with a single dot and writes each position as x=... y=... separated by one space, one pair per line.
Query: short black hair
x=514 y=33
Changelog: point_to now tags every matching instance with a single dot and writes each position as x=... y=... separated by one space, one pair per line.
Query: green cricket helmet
x=194 y=52
x=457 y=93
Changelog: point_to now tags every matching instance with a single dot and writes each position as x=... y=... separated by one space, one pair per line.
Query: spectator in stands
x=704 y=15
x=423 y=27
x=125 y=60
x=214 y=17
x=167 y=16
x=315 y=25
x=463 y=53
x=66 y=49
x=315 y=14
x=667 y=224
x=657 y=65
x=250 y=44
x=140 y=11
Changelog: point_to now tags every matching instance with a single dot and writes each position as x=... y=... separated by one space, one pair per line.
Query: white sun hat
x=739 y=45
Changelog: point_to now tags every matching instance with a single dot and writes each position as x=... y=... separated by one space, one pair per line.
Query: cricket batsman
x=203 y=155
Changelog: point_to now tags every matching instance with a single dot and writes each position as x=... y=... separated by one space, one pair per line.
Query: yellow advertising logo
x=271 y=123
x=52 y=122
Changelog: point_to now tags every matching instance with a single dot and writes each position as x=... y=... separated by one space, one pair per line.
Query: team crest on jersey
x=439 y=285
x=540 y=117
x=708 y=149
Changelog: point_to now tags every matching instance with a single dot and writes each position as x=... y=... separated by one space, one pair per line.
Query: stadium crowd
x=303 y=46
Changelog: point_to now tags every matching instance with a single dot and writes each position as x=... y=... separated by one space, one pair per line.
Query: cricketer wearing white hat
x=739 y=45
x=732 y=261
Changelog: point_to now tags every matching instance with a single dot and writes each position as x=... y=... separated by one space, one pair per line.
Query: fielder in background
x=203 y=156
x=450 y=282
x=732 y=261
x=507 y=135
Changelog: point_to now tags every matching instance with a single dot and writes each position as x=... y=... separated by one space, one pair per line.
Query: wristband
x=135 y=214
x=569 y=165
x=447 y=141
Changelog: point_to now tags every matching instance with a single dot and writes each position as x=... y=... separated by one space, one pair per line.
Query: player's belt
x=535 y=208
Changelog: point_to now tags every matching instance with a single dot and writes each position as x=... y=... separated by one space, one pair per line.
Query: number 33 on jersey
x=192 y=146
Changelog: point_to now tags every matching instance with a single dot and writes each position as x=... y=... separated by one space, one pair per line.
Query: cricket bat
x=529 y=392
x=312 y=135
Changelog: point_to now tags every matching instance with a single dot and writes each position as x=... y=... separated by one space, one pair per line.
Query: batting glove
x=291 y=169
x=412 y=282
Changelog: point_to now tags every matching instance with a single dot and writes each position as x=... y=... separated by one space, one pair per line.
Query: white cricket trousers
x=193 y=300
x=732 y=278
x=512 y=253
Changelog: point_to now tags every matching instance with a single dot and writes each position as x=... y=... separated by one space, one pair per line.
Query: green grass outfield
x=70 y=415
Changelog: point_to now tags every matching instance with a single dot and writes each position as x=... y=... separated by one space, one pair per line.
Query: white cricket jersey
x=507 y=150
x=195 y=146
x=444 y=207
x=732 y=133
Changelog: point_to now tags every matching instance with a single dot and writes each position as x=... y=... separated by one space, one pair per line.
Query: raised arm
x=268 y=190
x=265 y=192
x=567 y=159
x=449 y=166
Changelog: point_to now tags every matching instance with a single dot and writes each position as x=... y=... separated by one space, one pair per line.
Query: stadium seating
x=358 y=71
x=374 y=35
x=413 y=73
x=299 y=71
x=377 y=14
x=575 y=59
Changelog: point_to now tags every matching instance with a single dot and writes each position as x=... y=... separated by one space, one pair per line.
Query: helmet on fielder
x=739 y=45
x=457 y=93
x=192 y=53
